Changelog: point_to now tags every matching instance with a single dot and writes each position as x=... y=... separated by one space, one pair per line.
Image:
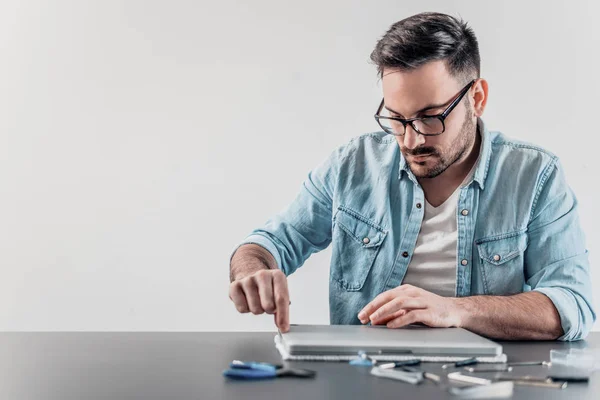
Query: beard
x=439 y=162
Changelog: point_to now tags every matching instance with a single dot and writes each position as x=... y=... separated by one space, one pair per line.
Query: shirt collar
x=483 y=165
x=483 y=162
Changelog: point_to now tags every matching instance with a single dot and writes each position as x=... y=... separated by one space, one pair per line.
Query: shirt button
x=419 y=205
x=366 y=240
x=464 y=262
x=497 y=257
x=405 y=254
x=465 y=212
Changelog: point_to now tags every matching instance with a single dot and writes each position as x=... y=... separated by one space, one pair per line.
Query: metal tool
x=427 y=375
x=528 y=380
x=474 y=380
x=517 y=380
x=505 y=367
x=547 y=384
x=498 y=390
x=462 y=363
x=526 y=363
x=490 y=368
x=396 y=364
x=404 y=376
x=432 y=377
x=256 y=370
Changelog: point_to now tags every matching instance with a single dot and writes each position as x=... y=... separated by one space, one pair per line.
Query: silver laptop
x=411 y=340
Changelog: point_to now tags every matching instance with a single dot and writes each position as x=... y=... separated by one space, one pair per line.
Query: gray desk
x=189 y=365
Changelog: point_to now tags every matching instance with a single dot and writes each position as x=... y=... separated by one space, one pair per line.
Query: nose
x=412 y=138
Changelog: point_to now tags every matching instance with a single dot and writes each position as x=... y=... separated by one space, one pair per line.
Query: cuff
x=265 y=243
x=568 y=310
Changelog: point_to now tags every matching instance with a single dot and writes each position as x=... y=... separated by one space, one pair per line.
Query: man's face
x=407 y=93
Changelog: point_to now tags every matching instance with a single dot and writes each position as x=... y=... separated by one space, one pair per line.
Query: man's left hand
x=408 y=304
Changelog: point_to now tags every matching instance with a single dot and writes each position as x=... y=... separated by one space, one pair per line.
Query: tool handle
x=249 y=373
x=464 y=363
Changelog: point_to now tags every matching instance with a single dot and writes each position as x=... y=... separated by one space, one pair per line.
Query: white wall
x=141 y=140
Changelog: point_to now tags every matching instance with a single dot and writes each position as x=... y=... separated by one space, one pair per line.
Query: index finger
x=385 y=297
x=374 y=305
x=282 y=302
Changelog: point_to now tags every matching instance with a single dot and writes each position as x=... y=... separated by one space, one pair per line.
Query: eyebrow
x=429 y=107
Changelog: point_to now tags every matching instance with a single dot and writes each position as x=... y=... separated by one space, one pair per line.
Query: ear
x=479 y=96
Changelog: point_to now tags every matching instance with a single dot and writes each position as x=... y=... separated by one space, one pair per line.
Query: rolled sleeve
x=557 y=263
x=262 y=241
x=576 y=316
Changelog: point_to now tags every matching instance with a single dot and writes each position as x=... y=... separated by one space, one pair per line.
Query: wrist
x=461 y=311
x=249 y=259
x=243 y=270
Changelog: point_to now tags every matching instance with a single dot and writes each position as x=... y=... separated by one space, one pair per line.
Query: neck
x=439 y=188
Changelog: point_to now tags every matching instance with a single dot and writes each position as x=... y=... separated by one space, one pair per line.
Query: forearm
x=524 y=316
x=248 y=259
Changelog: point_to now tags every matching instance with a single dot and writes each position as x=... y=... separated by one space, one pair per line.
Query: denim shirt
x=518 y=227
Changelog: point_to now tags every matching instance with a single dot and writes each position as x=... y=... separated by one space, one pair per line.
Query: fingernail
x=362 y=315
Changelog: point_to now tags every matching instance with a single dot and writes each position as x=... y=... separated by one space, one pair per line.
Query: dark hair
x=426 y=37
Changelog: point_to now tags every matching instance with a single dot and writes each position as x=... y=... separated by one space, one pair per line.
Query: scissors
x=250 y=370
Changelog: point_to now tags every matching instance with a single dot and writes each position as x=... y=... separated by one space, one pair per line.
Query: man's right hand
x=263 y=291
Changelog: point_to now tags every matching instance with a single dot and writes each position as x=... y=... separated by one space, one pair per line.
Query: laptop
x=415 y=340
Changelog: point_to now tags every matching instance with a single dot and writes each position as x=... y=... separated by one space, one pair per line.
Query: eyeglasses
x=430 y=125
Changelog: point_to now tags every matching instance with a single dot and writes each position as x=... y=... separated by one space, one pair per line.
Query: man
x=434 y=220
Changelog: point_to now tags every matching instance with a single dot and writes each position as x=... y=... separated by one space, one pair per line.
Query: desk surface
x=189 y=365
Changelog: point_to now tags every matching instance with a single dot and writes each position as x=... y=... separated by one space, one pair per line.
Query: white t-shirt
x=434 y=261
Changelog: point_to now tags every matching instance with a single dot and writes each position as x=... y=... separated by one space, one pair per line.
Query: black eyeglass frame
x=442 y=116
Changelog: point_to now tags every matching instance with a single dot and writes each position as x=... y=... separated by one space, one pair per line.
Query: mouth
x=421 y=157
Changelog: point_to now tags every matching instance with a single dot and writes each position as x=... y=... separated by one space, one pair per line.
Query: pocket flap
x=365 y=232
x=501 y=249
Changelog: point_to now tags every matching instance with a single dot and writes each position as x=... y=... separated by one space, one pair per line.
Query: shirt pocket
x=502 y=263
x=357 y=241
